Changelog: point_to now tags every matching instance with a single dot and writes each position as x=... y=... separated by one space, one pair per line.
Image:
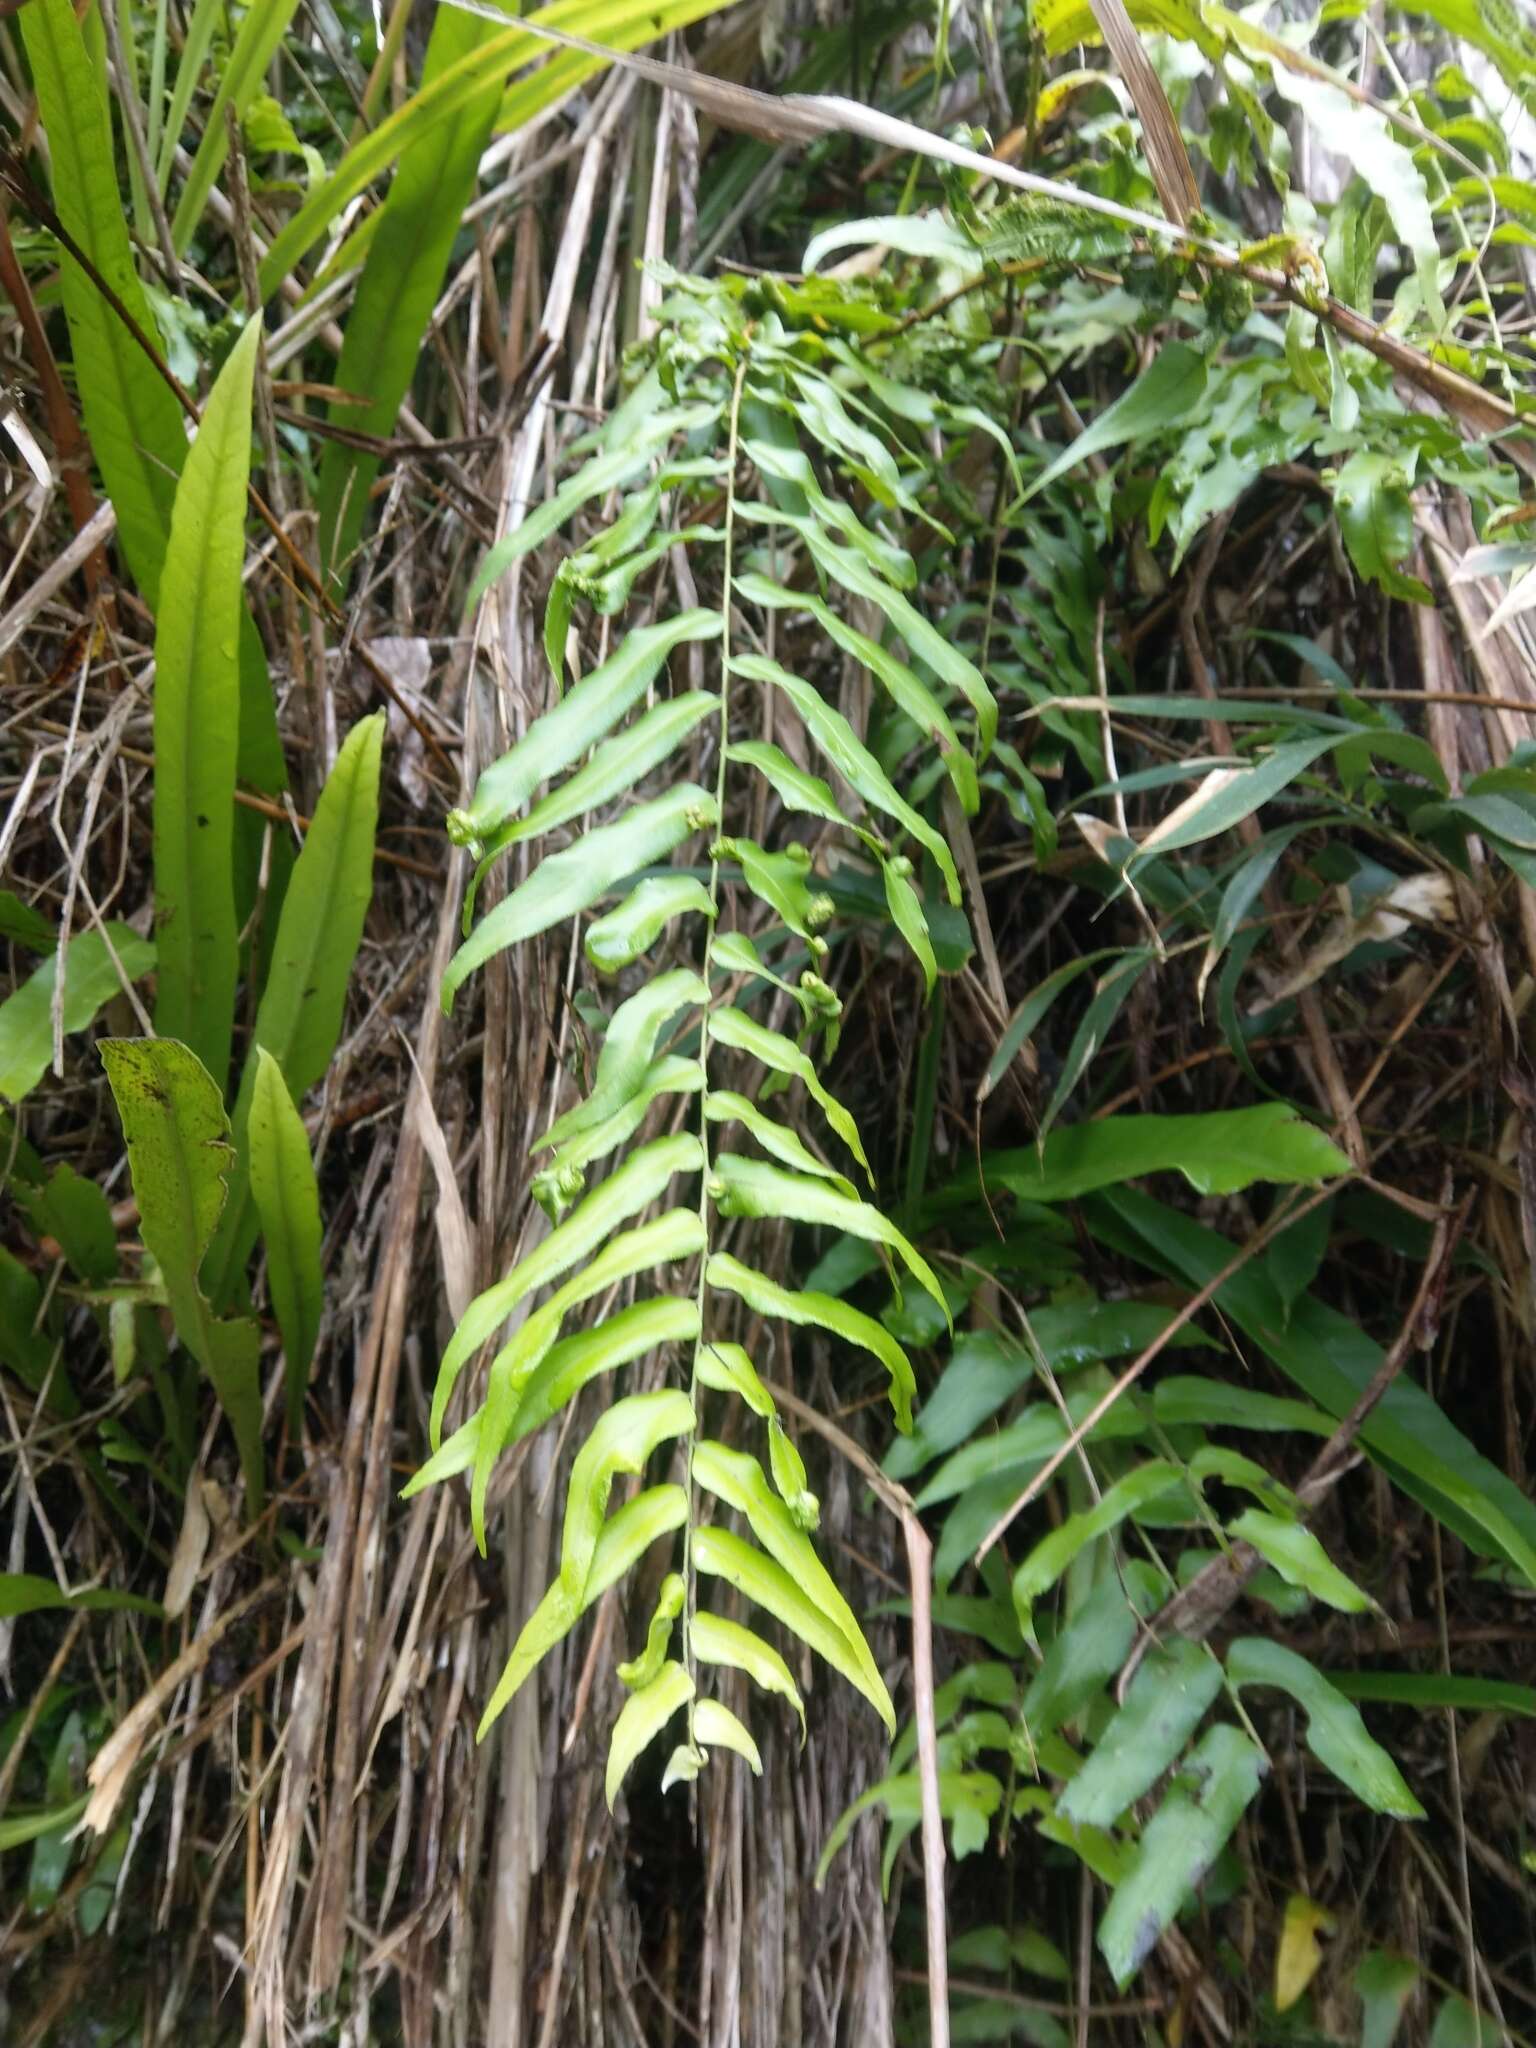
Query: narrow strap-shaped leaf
x=131 y=416
x=641 y=1670
x=836 y=739
x=197 y=721
x=617 y=940
x=1336 y=1735
x=558 y=1184
x=976 y=1793
x=716 y=1640
x=1300 y=1559
x=261 y=30
x=751 y=1187
x=906 y=908
x=92 y=976
x=641 y=1719
x=574 y=880
x=288 y=1203
x=728 y=1026
x=173 y=1119
x=740 y=1482
x=629 y=1046
x=402 y=275
x=741 y=1564
x=1164 y=1706
x=584 y=715
x=716 y=1726
x=728 y=1370
x=562 y=1373
x=795 y=787
x=823 y=1312
x=637 y=1183
x=319 y=931
x=1054 y=1553
x=627 y=1535
x=723 y=1105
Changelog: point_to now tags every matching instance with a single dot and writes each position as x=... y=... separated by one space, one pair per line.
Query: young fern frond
x=717 y=425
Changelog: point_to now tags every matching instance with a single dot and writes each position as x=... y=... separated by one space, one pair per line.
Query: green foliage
x=98 y=964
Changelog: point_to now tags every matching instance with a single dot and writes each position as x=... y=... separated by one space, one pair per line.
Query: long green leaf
x=641 y=1719
x=1336 y=1735
x=732 y=1027
x=1054 y=1553
x=417 y=226
x=1167 y=391
x=823 y=1312
x=622 y=1439
x=240 y=77
x=92 y=976
x=716 y=1640
x=197 y=722
x=298 y=1020
x=629 y=1047
x=173 y=1118
x=288 y=1203
x=1163 y=1708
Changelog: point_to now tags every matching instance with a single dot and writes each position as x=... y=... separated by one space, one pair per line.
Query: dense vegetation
x=769 y=835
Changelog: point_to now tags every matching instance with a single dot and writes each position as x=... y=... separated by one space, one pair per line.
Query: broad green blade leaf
x=1228 y=795
x=715 y=1640
x=562 y=1373
x=1300 y=1559
x=727 y=1369
x=823 y=1312
x=1385 y=1984
x=240 y=79
x=1370 y=494
x=288 y=1203
x=1336 y=1735
x=751 y=1187
x=1333 y=1361
x=617 y=940
x=626 y=1536
x=24 y=1593
x=1218 y=1153
x=732 y=1027
x=1090 y=1649
x=1213 y=1404
x=1166 y=392
x=723 y=1105
x=572 y=881
x=637 y=1183
x=976 y=1795
x=558 y=1184
x=629 y=1047
x=197 y=722
x=299 y=1018
x=1460 y=2025
x=719 y=1728
x=206 y=16
x=641 y=1719
x=836 y=739
x=728 y=1556
x=402 y=275
x=131 y=417
x=795 y=787
x=1054 y=1553
x=618 y=24
x=76 y=1213
x=641 y=1670
x=1421 y=1689
x=178 y=1154
x=622 y=1439
x=784 y=882
x=1166 y=1702
x=92 y=976
x=983 y=1372
x=1179 y=1845
x=584 y=715
x=739 y=1481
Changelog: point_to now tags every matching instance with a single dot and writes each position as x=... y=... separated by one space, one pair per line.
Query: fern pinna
x=710 y=452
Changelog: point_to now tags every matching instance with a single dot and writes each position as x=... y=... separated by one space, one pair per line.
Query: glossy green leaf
x=1164 y=1706
x=723 y=1105
x=21 y=925
x=725 y=1555
x=618 y=939
x=97 y=962
x=572 y=881
x=178 y=1154
x=906 y=908
x=732 y=1027
x=783 y=881
x=641 y=1719
x=1214 y=1404
x=288 y=1202
x=740 y=1482
x=836 y=740
x=727 y=1369
x=629 y=1047
x=1375 y=512
x=641 y=1670
x=1179 y=1845
x=299 y=1017
x=716 y=1640
x=795 y=787
x=402 y=275
x=22 y=1825
x=1300 y=1559
x=558 y=1184
x=584 y=715
x=1336 y=1735
x=626 y=1536
x=1423 y=1689
x=717 y=1726
x=637 y=1183
x=1054 y=1553
x=824 y=1312
x=751 y=1187
x=196 y=727
x=622 y=1439
x=1165 y=393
